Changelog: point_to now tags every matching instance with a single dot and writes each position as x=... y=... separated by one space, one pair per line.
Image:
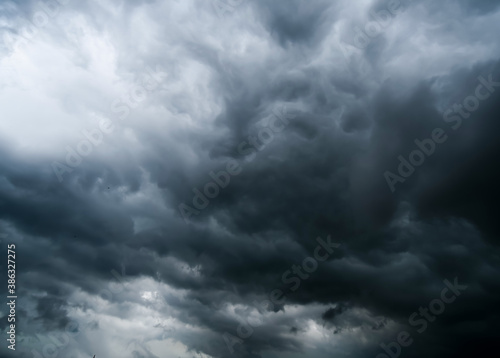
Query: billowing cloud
x=246 y=178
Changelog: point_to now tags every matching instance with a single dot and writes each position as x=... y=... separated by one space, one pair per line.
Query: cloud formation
x=109 y=265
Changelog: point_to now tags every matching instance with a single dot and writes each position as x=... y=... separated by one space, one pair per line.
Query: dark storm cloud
x=331 y=313
x=296 y=22
x=50 y=311
x=108 y=245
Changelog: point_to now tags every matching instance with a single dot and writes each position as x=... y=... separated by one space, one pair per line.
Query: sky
x=250 y=178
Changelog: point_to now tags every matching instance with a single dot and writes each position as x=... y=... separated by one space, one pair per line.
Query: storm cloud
x=174 y=175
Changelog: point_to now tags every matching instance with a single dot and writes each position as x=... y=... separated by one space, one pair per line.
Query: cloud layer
x=164 y=164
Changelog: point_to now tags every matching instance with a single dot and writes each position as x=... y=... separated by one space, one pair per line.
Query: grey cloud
x=108 y=249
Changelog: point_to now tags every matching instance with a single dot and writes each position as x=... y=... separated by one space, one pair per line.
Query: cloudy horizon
x=250 y=178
